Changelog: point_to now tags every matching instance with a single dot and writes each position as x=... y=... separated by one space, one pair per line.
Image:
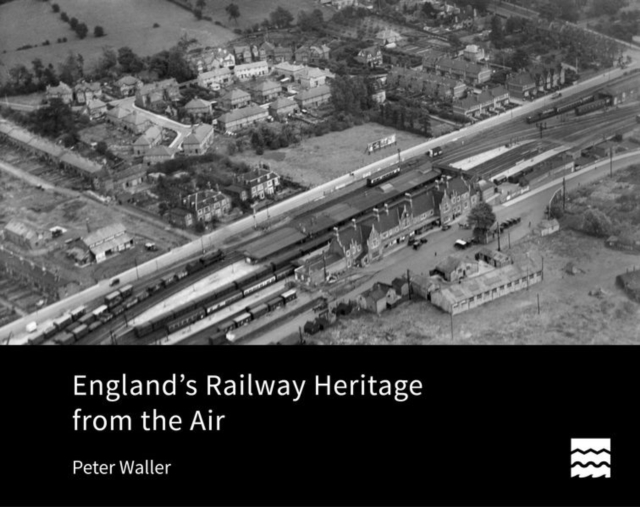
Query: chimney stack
x=355 y=224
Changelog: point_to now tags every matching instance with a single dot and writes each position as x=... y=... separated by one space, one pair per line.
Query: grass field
x=126 y=23
x=255 y=11
x=320 y=159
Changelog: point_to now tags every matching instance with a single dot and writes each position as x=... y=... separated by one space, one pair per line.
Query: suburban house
x=240 y=118
x=250 y=70
x=401 y=286
x=216 y=59
x=22 y=235
x=86 y=92
x=317 y=53
x=107 y=241
x=116 y=116
x=268 y=50
x=290 y=70
x=521 y=86
x=136 y=122
x=473 y=53
x=215 y=78
x=95 y=108
x=179 y=217
x=128 y=85
x=387 y=36
x=454 y=197
x=242 y=54
x=428 y=83
x=301 y=55
x=314 y=96
x=125 y=180
x=62 y=92
x=548 y=76
x=282 y=54
x=473 y=73
x=199 y=140
x=371 y=56
x=161 y=91
x=197 y=107
x=454 y=268
x=312 y=77
x=478 y=104
x=266 y=91
x=151 y=137
x=234 y=99
x=207 y=205
x=378 y=298
x=157 y=154
x=282 y=107
x=486 y=287
x=236 y=191
x=260 y=183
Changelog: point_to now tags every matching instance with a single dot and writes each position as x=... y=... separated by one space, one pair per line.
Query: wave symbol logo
x=591 y=458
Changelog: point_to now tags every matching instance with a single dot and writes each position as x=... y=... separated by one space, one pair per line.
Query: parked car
x=446 y=227
x=115 y=281
x=461 y=244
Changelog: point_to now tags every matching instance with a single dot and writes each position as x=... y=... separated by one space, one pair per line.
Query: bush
x=64 y=17
x=596 y=223
x=198 y=13
x=218 y=23
x=259 y=150
x=237 y=31
x=98 y=31
x=156 y=25
x=102 y=148
x=46 y=43
x=55 y=7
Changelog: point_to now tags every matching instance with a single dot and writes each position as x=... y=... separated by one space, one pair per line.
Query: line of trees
x=81 y=29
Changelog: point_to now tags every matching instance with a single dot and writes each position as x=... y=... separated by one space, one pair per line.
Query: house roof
x=312 y=72
x=242 y=113
x=203 y=198
x=111 y=244
x=318 y=91
x=79 y=162
x=20 y=229
x=387 y=34
x=458 y=65
x=378 y=292
x=62 y=88
x=522 y=79
x=288 y=67
x=127 y=81
x=281 y=103
x=96 y=104
x=224 y=71
x=135 y=118
x=158 y=151
x=118 y=112
x=250 y=65
x=197 y=103
x=84 y=86
x=267 y=86
x=399 y=282
x=236 y=94
x=198 y=134
x=104 y=233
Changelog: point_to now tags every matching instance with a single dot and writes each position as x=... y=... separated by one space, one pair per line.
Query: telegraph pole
x=564 y=195
x=409 y=282
x=538 y=295
x=451 y=314
x=611 y=161
x=499 y=237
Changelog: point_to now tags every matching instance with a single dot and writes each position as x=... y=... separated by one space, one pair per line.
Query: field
x=126 y=23
x=320 y=159
x=255 y=11
x=568 y=314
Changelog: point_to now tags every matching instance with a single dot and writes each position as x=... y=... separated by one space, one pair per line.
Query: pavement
x=16 y=329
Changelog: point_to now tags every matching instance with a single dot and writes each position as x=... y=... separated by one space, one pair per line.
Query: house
x=256 y=55
x=428 y=83
x=95 y=108
x=85 y=92
x=282 y=107
x=62 y=92
x=548 y=76
x=314 y=96
x=158 y=154
x=379 y=94
x=161 y=91
x=401 y=286
x=290 y=70
x=387 y=36
x=126 y=180
x=179 y=217
x=260 y=183
x=22 y=235
x=605 y=149
x=207 y=205
x=197 y=107
x=219 y=58
x=312 y=77
x=268 y=50
x=240 y=118
x=473 y=73
x=215 y=78
x=107 y=241
x=377 y=298
x=116 y=116
x=454 y=268
x=493 y=258
x=477 y=104
x=473 y=53
x=341 y=4
x=237 y=192
x=242 y=54
x=371 y=56
x=266 y=91
x=486 y=287
x=251 y=70
x=235 y=99
x=136 y=122
x=455 y=197
x=546 y=227
x=302 y=54
x=151 y=137
x=521 y=85
x=630 y=283
x=128 y=85
x=318 y=53
x=198 y=141
x=282 y=54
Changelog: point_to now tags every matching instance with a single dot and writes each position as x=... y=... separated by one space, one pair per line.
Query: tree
x=102 y=148
x=70 y=71
x=73 y=22
x=481 y=218
x=82 y=30
x=281 y=17
x=519 y=60
x=98 y=31
x=64 y=17
x=198 y=14
x=129 y=61
x=233 y=11
x=55 y=7
x=20 y=77
x=54 y=119
x=497 y=34
x=200 y=4
x=310 y=21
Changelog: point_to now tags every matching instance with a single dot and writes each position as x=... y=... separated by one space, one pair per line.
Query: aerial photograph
x=319 y=172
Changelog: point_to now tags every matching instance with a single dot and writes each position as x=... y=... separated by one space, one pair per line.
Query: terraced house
x=207 y=205
x=251 y=70
x=266 y=91
x=478 y=104
x=198 y=142
x=260 y=183
x=455 y=197
x=371 y=56
x=215 y=78
x=235 y=99
x=243 y=117
x=472 y=73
